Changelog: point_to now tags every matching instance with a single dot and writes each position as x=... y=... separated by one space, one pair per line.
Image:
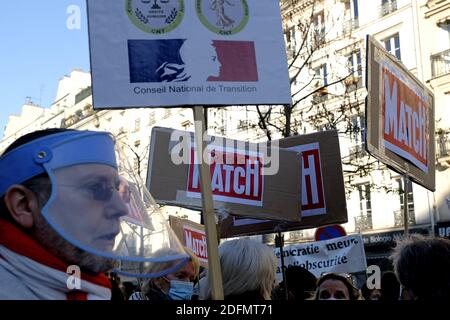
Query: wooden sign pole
x=214 y=270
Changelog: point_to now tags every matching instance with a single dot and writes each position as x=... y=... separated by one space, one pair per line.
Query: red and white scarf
x=40 y=274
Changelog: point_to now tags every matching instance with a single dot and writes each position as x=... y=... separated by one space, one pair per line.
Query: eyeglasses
x=99 y=190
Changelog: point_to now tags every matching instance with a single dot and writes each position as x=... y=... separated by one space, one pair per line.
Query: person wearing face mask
x=333 y=286
x=177 y=285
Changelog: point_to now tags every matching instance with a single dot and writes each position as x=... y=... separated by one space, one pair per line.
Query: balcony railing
x=320 y=96
x=440 y=63
x=318 y=37
x=243 y=125
x=363 y=223
x=398 y=218
x=353 y=83
x=350 y=25
x=442 y=145
x=77 y=117
x=290 y=50
x=357 y=152
x=83 y=94
x=387 y=7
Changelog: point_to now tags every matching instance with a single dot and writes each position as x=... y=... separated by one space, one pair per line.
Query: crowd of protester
x=36 y=246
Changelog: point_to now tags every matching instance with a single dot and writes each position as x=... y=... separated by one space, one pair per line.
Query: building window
x=365 y=203
x=167 y=113
x=323 y=127
x=410 y=194
x=440 y=63
x=445 y=26
x=398 y=214
x=354 y=64
x=387 y=6
x=357 y=129
x=355 y=10
x=151 y=119
x=319 y=29
x=137 y=124
x=351 y=15
x=364 y=220
x=320 y=73
x=392 y=45
x=321 y=82
x=354 y=80
x=291 y=40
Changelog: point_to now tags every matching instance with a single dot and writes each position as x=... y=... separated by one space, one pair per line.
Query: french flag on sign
x=238 y=61
x=191 y=60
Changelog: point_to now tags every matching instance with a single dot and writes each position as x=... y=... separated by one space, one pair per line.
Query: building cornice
x=435 y=7
x=290 y=8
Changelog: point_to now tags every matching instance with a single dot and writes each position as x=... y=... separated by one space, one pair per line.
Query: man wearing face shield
x=62 y=218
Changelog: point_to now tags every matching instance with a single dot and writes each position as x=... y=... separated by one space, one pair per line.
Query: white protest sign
x=196 y=52
x=344 y=254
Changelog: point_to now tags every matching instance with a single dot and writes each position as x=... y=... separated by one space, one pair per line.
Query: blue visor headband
x=55 y=151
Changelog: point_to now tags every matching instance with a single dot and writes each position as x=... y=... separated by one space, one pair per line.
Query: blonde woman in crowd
x=248 y=271
x=334 y=286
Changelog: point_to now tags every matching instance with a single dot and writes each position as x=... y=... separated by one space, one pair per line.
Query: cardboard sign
x=191 y=235
x=344 y=254
x=403 y=111
x=178 y=52
x=246 y=179
x=322 y=192
x=234 y=183
x=400 y=117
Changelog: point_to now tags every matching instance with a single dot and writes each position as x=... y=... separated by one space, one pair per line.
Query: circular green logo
x=155 y=16
x=223 y=17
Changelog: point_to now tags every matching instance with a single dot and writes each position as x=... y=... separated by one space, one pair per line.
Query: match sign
x=246 y=179
x=322 y=188
x=400 y=117
x=193 y=236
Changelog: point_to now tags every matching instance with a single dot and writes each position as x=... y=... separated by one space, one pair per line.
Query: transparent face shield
x=104 y=208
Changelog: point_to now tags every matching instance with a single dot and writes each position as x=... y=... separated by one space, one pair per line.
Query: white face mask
x=181 y=290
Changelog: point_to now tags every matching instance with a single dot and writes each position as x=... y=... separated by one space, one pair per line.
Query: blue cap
x=55 y=151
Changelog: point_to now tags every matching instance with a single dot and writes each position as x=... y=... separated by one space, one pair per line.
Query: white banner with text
x=343 y=254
